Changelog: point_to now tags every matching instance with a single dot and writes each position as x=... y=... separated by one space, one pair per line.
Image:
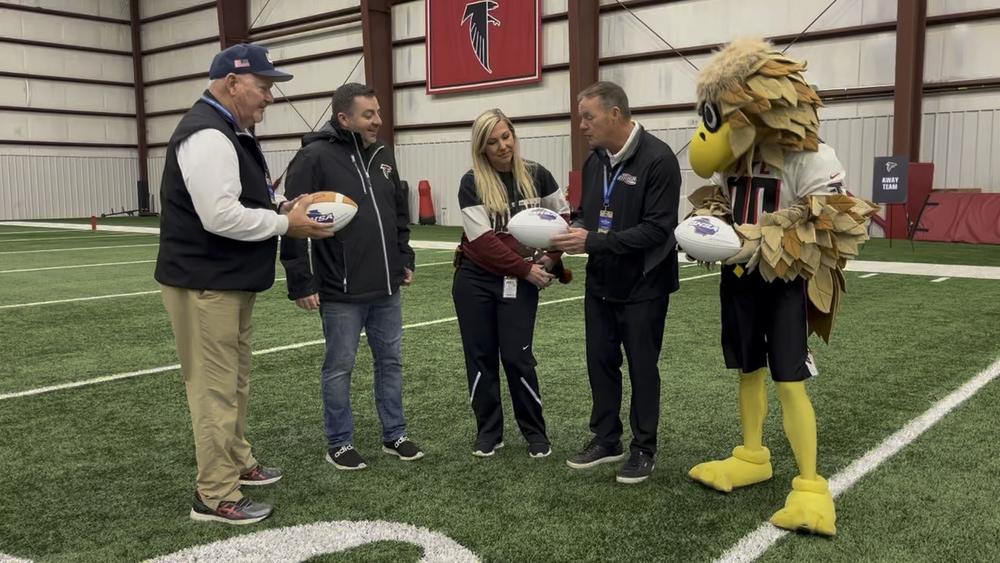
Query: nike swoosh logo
x=526 y=347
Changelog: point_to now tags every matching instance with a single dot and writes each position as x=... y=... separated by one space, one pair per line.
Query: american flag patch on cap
x=241 y=63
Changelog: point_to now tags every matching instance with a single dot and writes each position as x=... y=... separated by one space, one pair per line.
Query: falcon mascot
x=783 y=190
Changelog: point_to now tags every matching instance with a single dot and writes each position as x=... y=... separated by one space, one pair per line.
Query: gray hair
x=610 y=94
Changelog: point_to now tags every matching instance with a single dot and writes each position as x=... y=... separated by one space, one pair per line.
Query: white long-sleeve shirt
x=211 y=172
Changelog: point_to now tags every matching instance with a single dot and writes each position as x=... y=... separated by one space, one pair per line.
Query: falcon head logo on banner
x=476 y=44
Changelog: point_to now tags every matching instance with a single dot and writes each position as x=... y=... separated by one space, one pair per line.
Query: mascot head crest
x=754 y=106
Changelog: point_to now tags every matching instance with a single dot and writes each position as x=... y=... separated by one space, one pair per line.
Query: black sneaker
x=637 y=469
x=595 y=454
x=346 y=457
x=239 y=512
x=486 y=450
x=404 y=448
x=261 y=475
x=539 y=450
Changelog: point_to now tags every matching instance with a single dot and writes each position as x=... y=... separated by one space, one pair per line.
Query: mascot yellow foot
x=745 y=467
x=808 y=508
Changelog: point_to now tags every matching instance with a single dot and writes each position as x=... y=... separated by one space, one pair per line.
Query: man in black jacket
x=631 y=189
x=355 y=276
x=218 y=235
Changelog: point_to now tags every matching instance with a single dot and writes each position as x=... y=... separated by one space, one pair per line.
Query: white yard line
x=75 y=266
x=80 y=248
x=76 y=299
x=867 y=276
x=939 y=280
x=161 y=369
x=754 y=544
x=83 y=227
x=34 y=232
x=921 y=269
x=89 y=237
x=90 y=298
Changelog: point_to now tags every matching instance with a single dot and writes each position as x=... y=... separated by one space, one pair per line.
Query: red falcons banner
x=476 y=44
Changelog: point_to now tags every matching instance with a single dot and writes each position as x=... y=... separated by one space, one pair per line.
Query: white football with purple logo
x=535 y=227
x=707 y=239
x=332 y=208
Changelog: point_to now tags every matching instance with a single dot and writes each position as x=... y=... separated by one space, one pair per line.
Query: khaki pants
x=213 y=331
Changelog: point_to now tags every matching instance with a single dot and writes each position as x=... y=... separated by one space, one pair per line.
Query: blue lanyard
x=609 y=187
x=228 y=115
x=221 y=109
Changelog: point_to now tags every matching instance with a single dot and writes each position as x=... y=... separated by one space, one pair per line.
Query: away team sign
x=475 y=44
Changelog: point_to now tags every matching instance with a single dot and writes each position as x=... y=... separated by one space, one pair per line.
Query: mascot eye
x=710 y=115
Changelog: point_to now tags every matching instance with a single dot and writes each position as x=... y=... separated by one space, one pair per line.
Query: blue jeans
x=382 y=321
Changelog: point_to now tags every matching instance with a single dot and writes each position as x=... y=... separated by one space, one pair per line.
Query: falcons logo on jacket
x=479 y=18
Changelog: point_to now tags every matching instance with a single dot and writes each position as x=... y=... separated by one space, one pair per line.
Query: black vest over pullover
x=190 y=256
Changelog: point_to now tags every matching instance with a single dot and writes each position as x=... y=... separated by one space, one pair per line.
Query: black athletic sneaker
x=595 y=454
x=261 y=475
x=539 y=450
x=637 y=469
x=239 y=512
x=346 y=457
x=486 y=450
x=404 y=448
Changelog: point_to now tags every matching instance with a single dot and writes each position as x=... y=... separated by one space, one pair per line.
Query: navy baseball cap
x=246 y=58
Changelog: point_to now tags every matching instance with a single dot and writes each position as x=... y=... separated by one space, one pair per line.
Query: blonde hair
x=489 y=186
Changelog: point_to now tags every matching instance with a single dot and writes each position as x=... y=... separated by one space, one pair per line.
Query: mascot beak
x=710 y=151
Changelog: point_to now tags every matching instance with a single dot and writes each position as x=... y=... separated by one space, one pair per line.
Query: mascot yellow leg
x=809 y=507
x=751 y=462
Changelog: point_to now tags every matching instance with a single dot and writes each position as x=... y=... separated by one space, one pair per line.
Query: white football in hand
x=331 y=207
x=535 y=227
x=707 y=239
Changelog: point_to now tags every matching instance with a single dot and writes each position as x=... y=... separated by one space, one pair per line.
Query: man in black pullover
x=631 y=189
x=355 y=276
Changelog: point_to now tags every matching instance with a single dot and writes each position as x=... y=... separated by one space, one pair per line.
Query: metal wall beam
x=584 y=29
x=376 y=24
x=910 y=38
x=234 y=22
x=140 y=107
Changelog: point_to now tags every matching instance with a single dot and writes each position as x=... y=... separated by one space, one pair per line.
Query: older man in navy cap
x=219 y=228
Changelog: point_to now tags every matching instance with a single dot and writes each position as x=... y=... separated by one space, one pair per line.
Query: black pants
x=496 y=330
x=638 y=328
x=765 y=324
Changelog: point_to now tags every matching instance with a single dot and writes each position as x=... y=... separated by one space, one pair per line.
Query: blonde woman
x=497 y=282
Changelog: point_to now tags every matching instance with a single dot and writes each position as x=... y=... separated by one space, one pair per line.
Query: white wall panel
x=275 y=12
x=159 y=129
x=72 y=31
x=335 y=39
x=414 y=106
x=149 y=8
x=175 y=95
x=702 y=22
x=179 y=62
x=41 y=187
x=20 y=126
x=106 y=8
x=962 y=52
x=188 y=27
x=965 y=148
x=408 y=18
x=25 y=92
x=61 y=62
x=939 y=7
x=282 y=118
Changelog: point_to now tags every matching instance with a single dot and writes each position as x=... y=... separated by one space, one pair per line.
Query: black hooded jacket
x=365 y=260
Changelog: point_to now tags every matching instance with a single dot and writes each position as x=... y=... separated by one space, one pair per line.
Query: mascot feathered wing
x=782 y=188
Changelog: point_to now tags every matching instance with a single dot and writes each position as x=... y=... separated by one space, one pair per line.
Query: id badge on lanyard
x=606 y=215
x=509 y=287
